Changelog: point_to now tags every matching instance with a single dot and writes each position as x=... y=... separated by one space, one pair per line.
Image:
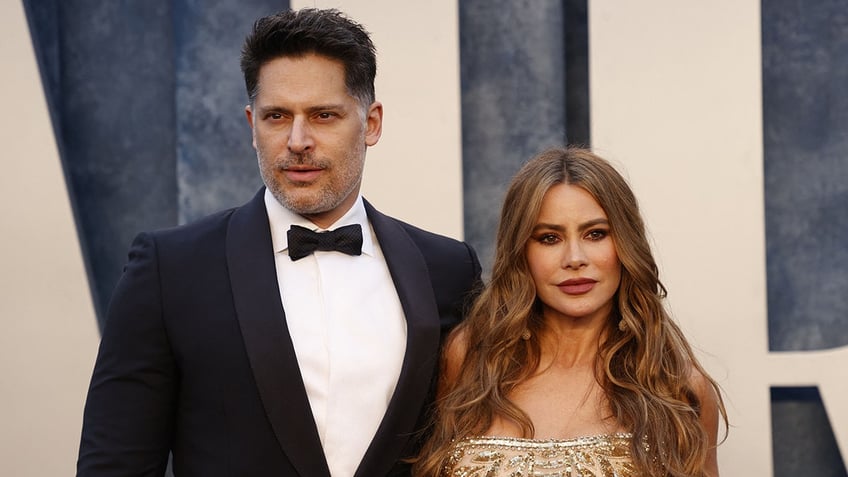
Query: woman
x=568 y=364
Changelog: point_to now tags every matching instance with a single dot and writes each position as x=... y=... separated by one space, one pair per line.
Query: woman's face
x=572 y=256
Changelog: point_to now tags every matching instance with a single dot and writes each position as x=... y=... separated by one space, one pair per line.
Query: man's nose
x=300 y=136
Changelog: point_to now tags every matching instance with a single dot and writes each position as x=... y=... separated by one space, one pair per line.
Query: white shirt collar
x=281 y=219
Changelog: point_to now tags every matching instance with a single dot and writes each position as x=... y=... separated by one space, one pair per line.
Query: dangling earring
x=526 y=335
x=622 y=325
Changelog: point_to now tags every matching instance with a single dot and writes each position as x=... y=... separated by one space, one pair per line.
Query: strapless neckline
x=605 y=455
x=574 y=441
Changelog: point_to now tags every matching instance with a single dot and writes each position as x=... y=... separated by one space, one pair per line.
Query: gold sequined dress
x=596 y=456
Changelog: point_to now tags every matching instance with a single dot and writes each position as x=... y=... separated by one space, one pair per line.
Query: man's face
x=310 y=135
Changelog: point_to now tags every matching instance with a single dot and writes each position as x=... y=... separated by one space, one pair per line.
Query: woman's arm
x=709 y=418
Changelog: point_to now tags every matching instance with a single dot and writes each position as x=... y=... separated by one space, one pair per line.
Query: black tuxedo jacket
x=196 y=358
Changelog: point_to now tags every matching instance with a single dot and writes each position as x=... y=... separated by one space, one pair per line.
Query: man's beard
x=327 y=197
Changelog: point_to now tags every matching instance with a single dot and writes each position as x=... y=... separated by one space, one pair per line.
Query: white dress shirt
x=348 y=331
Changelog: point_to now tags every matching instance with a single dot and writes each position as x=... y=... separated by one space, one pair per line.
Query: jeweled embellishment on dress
x=596 y=456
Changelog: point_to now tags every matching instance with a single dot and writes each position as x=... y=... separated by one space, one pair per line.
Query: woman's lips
x=577 y=286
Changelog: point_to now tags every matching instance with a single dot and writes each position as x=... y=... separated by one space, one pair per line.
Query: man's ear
x=373 y=123
x=248 y=112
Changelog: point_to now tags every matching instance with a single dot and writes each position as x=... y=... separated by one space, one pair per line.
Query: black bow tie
x=303 y=242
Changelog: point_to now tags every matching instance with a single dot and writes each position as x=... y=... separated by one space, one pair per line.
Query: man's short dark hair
x=327 y=33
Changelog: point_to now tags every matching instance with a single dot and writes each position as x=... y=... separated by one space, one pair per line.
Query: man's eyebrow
x=271 y=109
x=310 y=110
x=324 y=107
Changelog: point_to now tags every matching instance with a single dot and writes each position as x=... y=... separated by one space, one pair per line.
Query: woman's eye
x=548 y=239
x=597 y=234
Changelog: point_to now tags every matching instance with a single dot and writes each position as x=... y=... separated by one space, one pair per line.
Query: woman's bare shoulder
x=703 y=386
x=454 y=352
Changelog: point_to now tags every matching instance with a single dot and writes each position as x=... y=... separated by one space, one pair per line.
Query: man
x=243 y=344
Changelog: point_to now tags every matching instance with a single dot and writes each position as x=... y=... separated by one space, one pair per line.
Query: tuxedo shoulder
x=215 y=226
x=210 y=226
x=417 y=233
x=420 y=236
x=441 y=251
x=431 y=243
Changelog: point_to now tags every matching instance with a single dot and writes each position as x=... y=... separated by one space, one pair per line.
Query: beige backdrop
x=49 y=336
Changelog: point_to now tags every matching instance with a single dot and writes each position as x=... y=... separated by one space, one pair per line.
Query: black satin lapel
x=250 y=258
x=412 y=282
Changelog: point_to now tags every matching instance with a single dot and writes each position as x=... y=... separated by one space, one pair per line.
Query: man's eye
x=275 y=116
x=325 y=115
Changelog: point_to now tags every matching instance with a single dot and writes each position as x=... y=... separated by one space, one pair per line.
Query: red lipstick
x=577 y=286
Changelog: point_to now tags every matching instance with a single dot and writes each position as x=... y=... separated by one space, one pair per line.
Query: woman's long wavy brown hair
x=644 y=369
